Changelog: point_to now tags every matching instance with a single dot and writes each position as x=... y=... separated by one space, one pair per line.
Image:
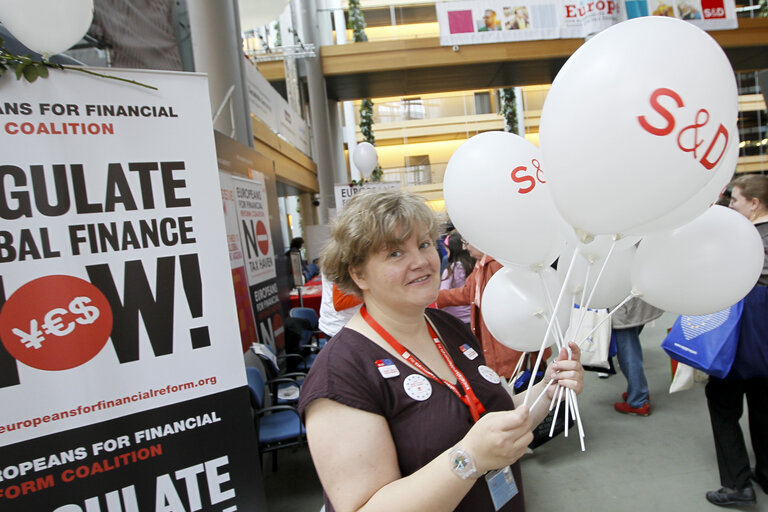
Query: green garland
x=366 y=129
x=509 y=109
x=356 y=22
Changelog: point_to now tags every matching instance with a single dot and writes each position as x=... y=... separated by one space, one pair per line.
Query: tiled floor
x=661 y=463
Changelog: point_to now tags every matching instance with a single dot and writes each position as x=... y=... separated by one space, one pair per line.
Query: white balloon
x=702 y=267
x=702 y=199
x=628 y=135
x=259 y=13
x=614 y=285
x=47 y=27
x=514 y=307
x=496 y=195
x=365 y=158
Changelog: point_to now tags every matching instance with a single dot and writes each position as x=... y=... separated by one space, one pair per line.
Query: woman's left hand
x=566 y=371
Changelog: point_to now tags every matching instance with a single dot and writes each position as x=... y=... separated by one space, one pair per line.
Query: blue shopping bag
x=751 y=361
x=706 y=342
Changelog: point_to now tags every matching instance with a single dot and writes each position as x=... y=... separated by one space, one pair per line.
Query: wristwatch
x=462 y=463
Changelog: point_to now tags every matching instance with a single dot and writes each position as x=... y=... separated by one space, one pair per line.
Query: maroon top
x=345 y=371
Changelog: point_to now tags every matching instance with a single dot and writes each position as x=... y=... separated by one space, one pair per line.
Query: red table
x=311 y=295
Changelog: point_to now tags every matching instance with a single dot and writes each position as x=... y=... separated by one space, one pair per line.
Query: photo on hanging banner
x=517 y=18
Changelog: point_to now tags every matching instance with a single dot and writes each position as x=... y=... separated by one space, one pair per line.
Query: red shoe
x=625 y=395
x=625 y=408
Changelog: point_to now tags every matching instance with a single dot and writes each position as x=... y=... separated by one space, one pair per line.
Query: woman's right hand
x=499 y=439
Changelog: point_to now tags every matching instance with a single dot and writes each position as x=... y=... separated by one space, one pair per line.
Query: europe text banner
x=495 y=21
x=115 y=290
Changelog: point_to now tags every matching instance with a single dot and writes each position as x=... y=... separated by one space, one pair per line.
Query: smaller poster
x=260 y=265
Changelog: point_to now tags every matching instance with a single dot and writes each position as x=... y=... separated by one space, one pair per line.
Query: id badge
x=501 y=483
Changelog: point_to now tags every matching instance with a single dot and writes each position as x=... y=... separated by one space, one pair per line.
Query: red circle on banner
x=55 y=322
x=262 y=238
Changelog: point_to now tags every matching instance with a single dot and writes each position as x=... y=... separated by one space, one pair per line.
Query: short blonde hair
x=370 y=221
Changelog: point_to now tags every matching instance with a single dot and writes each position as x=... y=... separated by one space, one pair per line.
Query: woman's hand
x=498 y=439
x=566 y=371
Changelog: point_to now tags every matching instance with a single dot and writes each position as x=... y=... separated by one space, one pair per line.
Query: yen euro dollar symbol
x=53 y=323
x=89 y=314
x=33 y=339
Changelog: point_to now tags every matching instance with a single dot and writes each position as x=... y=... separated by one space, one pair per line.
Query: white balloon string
x=515 y=376
x=578 y=421
x=554 y=397
x=584 y=306
x=600 y=274
x=559 y=338
x=567 y=410
x=543 y=392
x=605 y=319
x=549 y=325
x=559 y=395
x=582 y=310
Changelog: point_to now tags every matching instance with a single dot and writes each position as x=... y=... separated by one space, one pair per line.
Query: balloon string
x=560 y=339
x=549 y=325
x=585 y=305
x=609 y=315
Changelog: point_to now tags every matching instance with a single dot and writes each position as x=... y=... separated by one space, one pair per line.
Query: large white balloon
x=702 y=267
x=365 y=158
x=47 y=26
x=259 y=13
x=628 y=134
x=514 y=307
x=496 y=195
x=702 y=199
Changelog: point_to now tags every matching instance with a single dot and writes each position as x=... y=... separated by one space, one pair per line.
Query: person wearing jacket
x=748 y=376
x=627 y=323
x=503 y=360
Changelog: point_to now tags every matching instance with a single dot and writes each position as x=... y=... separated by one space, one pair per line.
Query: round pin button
x=488 y=374
x=417 y=387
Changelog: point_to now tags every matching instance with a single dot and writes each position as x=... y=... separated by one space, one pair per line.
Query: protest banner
x=121 y=374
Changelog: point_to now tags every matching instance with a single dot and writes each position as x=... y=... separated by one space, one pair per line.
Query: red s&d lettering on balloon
x=688 y=137
x=517 y=178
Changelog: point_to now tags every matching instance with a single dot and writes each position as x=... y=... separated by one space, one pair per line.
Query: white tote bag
x=594 y=348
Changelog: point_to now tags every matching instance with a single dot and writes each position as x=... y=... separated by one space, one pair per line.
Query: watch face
x=462 y=464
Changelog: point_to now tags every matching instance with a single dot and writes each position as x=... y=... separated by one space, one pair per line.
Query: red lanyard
x=469 y=398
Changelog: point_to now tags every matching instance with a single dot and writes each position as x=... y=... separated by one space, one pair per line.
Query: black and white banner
x=117 y=312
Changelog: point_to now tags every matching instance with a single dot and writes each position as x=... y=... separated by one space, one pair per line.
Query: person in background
x=460 y=265
x=748 y=375
x=627 y=323
x=336 y=308
x=503 y=360
x=400 y=409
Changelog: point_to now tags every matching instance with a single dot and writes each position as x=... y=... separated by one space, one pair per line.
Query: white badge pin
x=417 y=387
x=488 y=374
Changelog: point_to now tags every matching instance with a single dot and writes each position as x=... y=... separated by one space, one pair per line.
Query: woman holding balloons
x=749 y=373
x=400 y=409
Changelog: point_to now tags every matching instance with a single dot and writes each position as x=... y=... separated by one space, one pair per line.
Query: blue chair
x=278 y=426
x=317 y=337
x=284 y=386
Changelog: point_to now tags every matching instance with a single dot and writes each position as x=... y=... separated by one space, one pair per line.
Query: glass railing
x=415 y=175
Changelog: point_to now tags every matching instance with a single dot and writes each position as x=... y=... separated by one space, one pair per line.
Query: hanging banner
x=495 y=21
x=245 y=317
x=261 y=270
x=344 y=192
x=121 y=380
